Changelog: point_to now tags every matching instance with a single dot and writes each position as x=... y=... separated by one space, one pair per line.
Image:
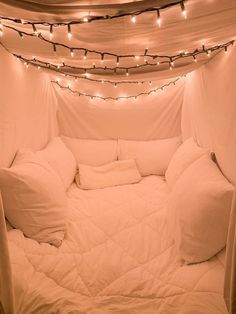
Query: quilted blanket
x=117 y=258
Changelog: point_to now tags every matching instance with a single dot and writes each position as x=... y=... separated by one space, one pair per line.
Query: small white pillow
x=112 y=174
x=34 y=199
x=60 y=159
x=152 y=157
x=92 y=152
x=199 y=208
x=185 y=155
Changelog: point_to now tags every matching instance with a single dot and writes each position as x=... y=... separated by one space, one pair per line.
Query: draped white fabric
x=209 y=115
x=29 y=100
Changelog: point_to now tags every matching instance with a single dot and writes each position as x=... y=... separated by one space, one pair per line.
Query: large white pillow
x=92 y=152
x=184 y=156
x=112 y=174
x=199 y=208
x=152 y=157
x=61 y=159
x=34 y=199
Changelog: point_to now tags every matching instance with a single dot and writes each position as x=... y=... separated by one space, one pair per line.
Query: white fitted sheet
x=116 y=258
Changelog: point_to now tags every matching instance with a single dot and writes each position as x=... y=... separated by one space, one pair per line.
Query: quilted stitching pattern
x=116 y=258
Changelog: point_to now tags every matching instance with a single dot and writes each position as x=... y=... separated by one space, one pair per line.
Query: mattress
x=117 y=258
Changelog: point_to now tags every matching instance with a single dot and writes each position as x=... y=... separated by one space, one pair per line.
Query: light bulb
x=85 y=54
x=127 y=72
x=184 y=12
x=158 y=18
x=133 y=19
x=69 y=35
x=117 y=60
x=85 y=19
x=51 y=32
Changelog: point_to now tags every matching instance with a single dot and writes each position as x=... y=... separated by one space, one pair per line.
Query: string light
x=72 y=52
x=134 y=97
x=170 y=60
x=89 y=19
x=158 y=18
x=116 y=57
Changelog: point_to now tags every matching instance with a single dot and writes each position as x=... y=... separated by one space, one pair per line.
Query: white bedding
x=116 y=258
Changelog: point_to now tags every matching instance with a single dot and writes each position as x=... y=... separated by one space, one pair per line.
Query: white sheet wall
x=209 y=114
x=148 y=117
x=27 y=107
x=209 y=109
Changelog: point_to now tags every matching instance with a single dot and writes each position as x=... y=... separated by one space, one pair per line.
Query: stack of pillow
x=110 y=162
x=33 y=191
x=199 y=204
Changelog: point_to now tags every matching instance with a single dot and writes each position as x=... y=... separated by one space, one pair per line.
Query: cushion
x=61 y=160
x=199 y=207
x=184 y=156
x=92 y=152
x=112 y=174
x=34 y=199
x=152 y=157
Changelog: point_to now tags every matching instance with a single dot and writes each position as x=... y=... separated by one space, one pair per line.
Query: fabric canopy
x=209 y=22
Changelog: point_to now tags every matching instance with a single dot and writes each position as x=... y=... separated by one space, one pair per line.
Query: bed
x=117 y=258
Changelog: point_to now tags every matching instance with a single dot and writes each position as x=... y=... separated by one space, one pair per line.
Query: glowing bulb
x=117 y=60
x=133 y=19
x=150 y=83
x=158 y=18
x=127 y=72
x=69 y=35
x=85 y=19
x=39 y=67
x=195 y=59
x=208 y=53
x=35 y=30
x=184 y=12
x=226 y=49
x=21 y=35
x=72 y=53
x=158 y=63
x=115 y=85
x=51 y=32
x=1 y=30
x=85 y=55
x=137 y=57
x=170 y=66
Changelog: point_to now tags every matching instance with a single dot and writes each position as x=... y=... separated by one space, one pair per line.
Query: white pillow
x=112 y=174
x=152 y=157
x=92 y=152
x=199 y=208
x=60 y=159
x=184 y=156
x=34 y=199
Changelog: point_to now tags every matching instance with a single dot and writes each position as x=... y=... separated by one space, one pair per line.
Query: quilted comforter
x=117 y=258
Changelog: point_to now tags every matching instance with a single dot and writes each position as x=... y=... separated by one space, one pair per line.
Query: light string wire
x=90 y=18
x=105 y=53
x=47 y=66
x=119 y=97
x=193 y=54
